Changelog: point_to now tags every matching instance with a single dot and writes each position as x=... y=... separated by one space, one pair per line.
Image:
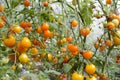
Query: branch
x=7 y=4
x=103 y=9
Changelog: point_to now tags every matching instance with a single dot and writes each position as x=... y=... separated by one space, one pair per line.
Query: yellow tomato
x=26 y=43
x=50 y=57
x=90 y=68
x=76 y=76
x=116 y=41
x=64 y=40
x=43 y=54
x=16 y=28
x=34 y=51
x=23 y=58
x=14 y=67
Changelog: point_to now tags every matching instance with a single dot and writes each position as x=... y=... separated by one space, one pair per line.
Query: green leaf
x=14 y=3
x=53 y=72
x=3 y=48
x=48 y=65
x=86 y=12
x=67 y=68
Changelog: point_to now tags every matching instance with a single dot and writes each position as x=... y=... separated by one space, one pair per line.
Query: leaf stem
x=106 y=58
x=7 y=3
x=103 y=9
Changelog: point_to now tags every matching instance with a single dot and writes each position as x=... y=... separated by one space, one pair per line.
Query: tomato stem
x=106 y=58
x=7 y=3
x=102 y=7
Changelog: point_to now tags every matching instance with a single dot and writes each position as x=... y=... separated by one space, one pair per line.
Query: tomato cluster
x=37 y=40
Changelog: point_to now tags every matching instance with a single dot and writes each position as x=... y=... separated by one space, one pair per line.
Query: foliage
x=56 y=44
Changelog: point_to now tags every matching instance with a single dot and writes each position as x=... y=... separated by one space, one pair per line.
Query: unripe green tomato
x=28 y=67
x=20 y=66
x=74 y=2
x=5 y=60
x=118 y=33
x=104 y=24
x=28 y=72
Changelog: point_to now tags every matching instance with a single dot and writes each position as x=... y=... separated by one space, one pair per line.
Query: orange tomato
x=28 y=29
x=110 y=25
x=29 y=24
x=73 y=49
x=66 y=59
x=84 y=31
x=55 y=60
x=76 y=76
x=45 y=26
x=47 y=34
x=74 y=23
x=23 y=24
x=60 y=78
x=45 y=3
x=26 y=43
x=96 y=45
x=20 y=48
x=3 y=17
x=69 y=46
x=69 y=39
x=108 y=43
x=12 y=57
x=26 y=3
x=1 y=24
x=2 y=8
x=35 y=42
x=10 y=41
x=39 y=30
x=64 y=75
x=75 y=53
x=111 y=16
x=108 y=1
x=102 y=48
x=87 y=54
x=90 y=68
x=23 y=58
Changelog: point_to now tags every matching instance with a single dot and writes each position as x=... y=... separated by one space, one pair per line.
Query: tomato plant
x=56 y=39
